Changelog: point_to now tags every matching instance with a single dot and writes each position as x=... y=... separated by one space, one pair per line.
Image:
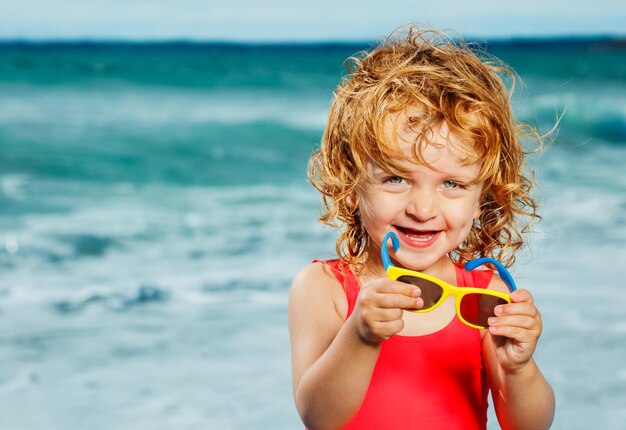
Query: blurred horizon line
x=612 y=40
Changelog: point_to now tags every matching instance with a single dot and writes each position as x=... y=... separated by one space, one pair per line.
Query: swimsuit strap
x=475 y=278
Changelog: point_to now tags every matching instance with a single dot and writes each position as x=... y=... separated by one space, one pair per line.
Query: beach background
x=154 y=208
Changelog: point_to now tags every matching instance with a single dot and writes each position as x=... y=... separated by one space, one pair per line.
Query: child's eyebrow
x=377 y=170
x=381 y=171
x=460 y=175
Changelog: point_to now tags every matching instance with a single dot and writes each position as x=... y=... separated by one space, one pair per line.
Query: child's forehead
x=408 y=138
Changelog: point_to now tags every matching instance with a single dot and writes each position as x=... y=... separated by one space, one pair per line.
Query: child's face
x=430 y=209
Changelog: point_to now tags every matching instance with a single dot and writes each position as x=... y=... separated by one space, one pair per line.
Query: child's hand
x=516 y=329
x=379 y=307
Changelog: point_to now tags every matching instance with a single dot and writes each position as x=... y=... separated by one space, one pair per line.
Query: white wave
x=12 y=186
x=183 y=239
x=582 y=106
x=80 y=109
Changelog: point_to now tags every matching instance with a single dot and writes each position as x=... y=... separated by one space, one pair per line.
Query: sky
x=293 y=20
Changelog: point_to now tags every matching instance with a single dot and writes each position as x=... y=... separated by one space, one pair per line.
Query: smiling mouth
x=418 y=237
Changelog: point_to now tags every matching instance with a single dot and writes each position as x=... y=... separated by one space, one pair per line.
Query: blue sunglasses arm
x=384 y=254
x=504 y=274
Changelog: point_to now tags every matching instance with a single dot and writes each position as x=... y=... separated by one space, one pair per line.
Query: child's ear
x=477 y=211
x=484 y=196
x=352 y=200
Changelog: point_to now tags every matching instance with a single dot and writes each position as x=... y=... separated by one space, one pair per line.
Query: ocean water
x=154 y=208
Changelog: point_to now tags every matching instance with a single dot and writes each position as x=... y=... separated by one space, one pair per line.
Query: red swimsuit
x=435 y=381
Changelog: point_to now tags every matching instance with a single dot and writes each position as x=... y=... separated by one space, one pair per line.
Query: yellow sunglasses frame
x=394 y=273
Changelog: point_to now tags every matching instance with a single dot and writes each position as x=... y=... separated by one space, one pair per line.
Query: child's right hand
x=379 y=308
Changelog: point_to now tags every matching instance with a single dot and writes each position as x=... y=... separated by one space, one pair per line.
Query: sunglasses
x=473 y=305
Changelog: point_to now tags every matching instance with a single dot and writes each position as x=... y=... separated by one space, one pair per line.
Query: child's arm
x=333 y=360
x=522 y=397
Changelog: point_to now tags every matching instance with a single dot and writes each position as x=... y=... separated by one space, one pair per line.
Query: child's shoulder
x=317 y=284
x=318 y=275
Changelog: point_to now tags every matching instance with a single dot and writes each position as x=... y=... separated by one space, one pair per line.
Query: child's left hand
x=515 y=330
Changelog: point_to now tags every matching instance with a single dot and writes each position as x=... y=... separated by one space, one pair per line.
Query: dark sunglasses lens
x=477 y=308
x=431 y=292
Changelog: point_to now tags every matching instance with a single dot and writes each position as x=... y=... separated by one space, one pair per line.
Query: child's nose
x=422 y=205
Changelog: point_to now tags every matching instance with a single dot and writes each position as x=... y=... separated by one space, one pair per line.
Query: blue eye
x=450 y=184
x=394 y=179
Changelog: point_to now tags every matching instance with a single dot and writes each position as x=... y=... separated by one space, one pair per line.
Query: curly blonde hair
x=447 y=81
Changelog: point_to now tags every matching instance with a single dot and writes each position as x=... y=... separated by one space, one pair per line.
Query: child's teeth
x=420 y=236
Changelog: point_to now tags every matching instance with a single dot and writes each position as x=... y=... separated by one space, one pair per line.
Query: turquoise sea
x=154 y=208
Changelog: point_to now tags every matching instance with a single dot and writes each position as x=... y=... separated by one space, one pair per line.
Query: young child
x=420 y=142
